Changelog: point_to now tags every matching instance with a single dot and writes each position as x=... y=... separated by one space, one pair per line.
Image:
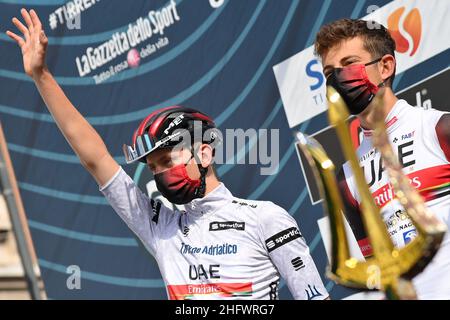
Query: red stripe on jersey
x=391 y=122
x=185 y=291
x=369 y=133
x=426 y=181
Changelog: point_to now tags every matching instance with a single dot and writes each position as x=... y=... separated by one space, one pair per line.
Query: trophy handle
x=324 y=172
x=343 y=268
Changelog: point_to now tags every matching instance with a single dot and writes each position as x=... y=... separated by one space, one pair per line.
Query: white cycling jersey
x=421 y=141
x=221 y=247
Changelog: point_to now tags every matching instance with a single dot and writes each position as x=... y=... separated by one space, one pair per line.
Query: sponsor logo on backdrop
x=300 y=79
x=133 y=58
x=412 y=26
x=69 y=14
x=144 y=37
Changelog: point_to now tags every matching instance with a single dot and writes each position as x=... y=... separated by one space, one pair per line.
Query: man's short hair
x=376 y=38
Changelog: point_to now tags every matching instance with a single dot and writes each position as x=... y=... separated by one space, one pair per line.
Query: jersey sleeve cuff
x=107 y=184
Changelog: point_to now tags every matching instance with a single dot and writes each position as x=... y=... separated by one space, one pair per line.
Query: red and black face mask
x=177 y=187
x=354 y=86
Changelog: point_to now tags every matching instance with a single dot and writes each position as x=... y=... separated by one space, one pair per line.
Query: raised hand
x=34 y=46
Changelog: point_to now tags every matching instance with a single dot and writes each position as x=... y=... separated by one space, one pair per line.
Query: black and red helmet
x=163 y=129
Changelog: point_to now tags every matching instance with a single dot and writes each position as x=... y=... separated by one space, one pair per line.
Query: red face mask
x=177 y=187
x=354 y=86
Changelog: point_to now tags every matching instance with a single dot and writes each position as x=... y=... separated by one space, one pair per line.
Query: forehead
x=159 y=154
x=350 y=47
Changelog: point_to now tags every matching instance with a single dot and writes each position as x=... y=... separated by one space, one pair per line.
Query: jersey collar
x=217 y=198
x=393 y=119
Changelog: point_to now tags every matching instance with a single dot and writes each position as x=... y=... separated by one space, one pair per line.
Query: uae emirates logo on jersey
x=223 y=290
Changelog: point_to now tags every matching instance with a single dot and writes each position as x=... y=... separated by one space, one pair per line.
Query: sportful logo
x=297 y=263
x=412 y=26
x=282 y=238
x=226 y=225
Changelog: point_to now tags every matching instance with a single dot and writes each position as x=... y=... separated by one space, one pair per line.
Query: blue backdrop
x=218 y=60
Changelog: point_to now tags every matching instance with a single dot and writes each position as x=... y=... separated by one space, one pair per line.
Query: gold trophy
x=394 y=267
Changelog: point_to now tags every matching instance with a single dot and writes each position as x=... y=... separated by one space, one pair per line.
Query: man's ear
x=387 y=66
x=206 y=155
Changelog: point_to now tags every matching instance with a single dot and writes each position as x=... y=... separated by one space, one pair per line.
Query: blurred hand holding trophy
x=394 y=267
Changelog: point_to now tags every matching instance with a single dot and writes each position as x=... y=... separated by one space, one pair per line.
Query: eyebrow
x=156 y=159
x=329 y=66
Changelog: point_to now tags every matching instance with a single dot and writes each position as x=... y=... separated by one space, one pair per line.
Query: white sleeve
x=290 y=254
x=144 y=216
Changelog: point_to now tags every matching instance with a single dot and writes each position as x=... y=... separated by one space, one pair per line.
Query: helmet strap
x=200 y=192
